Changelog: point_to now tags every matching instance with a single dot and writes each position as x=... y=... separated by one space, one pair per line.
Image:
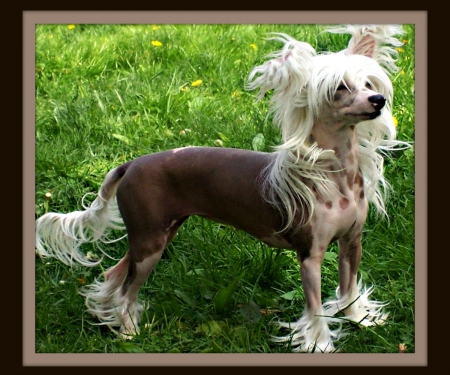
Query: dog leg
x=311 y=332
x=103 y=298
x=351 y=297
x=115 y=301
x=131 y=309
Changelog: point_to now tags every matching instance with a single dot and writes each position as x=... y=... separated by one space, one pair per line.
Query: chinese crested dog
x=334 y=112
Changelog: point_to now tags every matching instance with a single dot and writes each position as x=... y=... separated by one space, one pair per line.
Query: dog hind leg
x=115 y=301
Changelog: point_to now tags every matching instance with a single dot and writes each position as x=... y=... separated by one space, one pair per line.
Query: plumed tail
x=61 y=235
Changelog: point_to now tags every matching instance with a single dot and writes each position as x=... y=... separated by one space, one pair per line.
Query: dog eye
x=341 y=87
x=369 y=86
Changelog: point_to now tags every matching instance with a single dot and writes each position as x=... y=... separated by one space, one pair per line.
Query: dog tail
x=61 y=235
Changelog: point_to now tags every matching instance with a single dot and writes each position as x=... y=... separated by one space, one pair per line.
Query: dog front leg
x=316 y=333
x=311 y=332
x=351 y=297
x=349 y=259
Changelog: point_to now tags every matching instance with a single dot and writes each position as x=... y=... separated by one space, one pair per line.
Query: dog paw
x=126 y=333
x=310 y=334
x=366 y=312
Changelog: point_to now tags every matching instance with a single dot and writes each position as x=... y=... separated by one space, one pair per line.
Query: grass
x=109 y=93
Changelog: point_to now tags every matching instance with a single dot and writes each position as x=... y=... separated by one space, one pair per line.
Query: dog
x=334 y=112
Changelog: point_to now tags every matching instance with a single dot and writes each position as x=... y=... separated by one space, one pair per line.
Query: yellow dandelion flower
x=233 y=39
x=156 y=43
x=196 y=83
x=236 y=94
x=71 y=27
x=404 y=41
x=395 y=121
x=402 y=72
x=254 y=46
x=400 y=50
x=155 y=27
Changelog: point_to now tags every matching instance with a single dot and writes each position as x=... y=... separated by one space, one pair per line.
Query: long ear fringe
x=374 y=41
x=287 y=70
x=286 y=73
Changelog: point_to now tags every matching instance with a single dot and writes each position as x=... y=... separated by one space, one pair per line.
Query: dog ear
x=287 y=73
x=373 y=41
x=287 y=70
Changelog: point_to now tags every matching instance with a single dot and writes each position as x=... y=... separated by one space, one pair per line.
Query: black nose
x=378 y=101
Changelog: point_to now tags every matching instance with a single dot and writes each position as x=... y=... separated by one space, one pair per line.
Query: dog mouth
x=374 y=115
x=366 y=115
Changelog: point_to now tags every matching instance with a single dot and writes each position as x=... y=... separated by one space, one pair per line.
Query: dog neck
x=344 y=142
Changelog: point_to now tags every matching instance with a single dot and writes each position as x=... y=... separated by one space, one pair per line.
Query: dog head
x=344 y=88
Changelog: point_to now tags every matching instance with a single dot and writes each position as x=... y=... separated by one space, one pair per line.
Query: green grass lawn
x=106 y=94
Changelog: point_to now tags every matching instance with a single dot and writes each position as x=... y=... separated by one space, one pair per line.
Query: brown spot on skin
x=329 y=205
x=361 y=195
x=303 y=242
x=359 y=180
x=344 y=203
